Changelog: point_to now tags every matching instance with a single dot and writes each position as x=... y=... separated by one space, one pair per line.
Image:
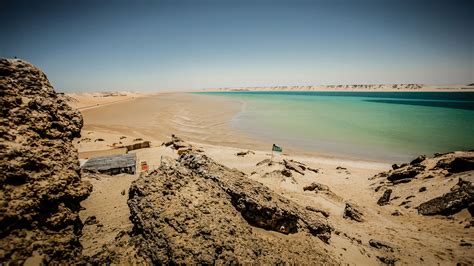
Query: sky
x=183 y=45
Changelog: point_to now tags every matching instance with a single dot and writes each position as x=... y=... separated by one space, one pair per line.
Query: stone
x=456 y=165
x=293 y=166
x=385 y=198
x=316 y=186
x=243 y=153
x=405 y=173
x=460 y=197
x=381 y=245
x=422 y=189
x=352 y=212
x=170 y=226
x=41 y=185
x=418 y=160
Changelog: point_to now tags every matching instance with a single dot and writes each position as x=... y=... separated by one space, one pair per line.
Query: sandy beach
x=203 y=121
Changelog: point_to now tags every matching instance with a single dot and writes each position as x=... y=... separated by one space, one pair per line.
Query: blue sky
x=182 y=45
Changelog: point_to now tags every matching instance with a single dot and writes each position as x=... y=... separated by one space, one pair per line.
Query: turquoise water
x=377 y=125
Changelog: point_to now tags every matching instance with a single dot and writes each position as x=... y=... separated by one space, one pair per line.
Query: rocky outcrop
x=198 y=211
x=385 y=198
x=353 y=213
x=40 y=181
x=432 y=172
x=456 y=165
x=460 y=197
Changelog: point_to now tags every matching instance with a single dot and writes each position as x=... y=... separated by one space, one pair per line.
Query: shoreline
x=203 y=122
x=231 y=137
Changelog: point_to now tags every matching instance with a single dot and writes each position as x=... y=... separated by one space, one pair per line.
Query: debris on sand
x=244 y=153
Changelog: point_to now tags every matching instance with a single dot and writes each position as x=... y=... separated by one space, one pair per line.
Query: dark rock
x=395 y=166
x=173 y=229
x=418 y=160
x=316 y=186
x=405 y=173
x=460 y=197
x=396 y=213
x=41 y=187
x=286 y=172
x=384 y=200
x=380 y=245
x=91 y=220
x=351 y=212
x=243 y=153
x=313 y=170
x=341 y=168
x=387 y=260
x=465 y=244
x=422 y=189
x=294 y=166
x=456 y=165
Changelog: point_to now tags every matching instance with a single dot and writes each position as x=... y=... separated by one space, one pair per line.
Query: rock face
x=198 y=211
x=460 y=197
x=40 y=183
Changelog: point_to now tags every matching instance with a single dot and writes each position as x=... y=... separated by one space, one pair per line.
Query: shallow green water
x=381 y=126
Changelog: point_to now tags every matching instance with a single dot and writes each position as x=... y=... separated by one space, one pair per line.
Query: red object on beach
x=144 y=166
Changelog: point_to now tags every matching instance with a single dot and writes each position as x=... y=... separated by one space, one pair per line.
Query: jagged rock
x=91 y=220
x=286 y=172
x=388 y=260
x=198 y=211
x=41 y=187
x=243 y=153
x=313 y=170
x=457 y=164
x=405 y=173
x=316 y=186
x=460 y=197
x=291 y=165
x=380 y=245
x=395 y=166
x=396 y=213
x=176 y=143
x=385 y=198
x=418 y=160
x=351 y=212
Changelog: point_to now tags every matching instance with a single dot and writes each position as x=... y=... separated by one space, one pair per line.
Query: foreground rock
x=198 y=211
x=40 y=181
x=437 y=173
x=460 y=197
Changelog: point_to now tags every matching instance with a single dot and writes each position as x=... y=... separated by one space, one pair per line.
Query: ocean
x=386 y=126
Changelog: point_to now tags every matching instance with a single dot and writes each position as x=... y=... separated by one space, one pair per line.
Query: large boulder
x=460 y=197
x=40 y=183
x=457 y=164
x=198 y=211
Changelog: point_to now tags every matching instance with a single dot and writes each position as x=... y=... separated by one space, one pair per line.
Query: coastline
x=200 y=119
x=203 y=122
